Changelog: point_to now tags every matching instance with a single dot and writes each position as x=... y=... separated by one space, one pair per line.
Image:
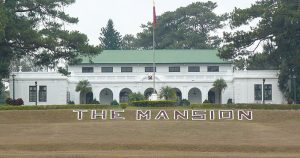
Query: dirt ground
x=58 y=134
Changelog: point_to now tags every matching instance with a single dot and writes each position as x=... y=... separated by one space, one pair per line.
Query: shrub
x=290 y=101
x=146 y=103
x=16 y=102
x=123 y=105
x=136 y=97
x=114 y=103
x=206 y=101
x=95 y=102
x=8 y=101
x=229 y=101
x=71 y=102
x=192 y=106
x=184 y=102
x=19 y=101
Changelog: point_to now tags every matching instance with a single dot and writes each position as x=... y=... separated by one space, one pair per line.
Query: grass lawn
x=58 y=134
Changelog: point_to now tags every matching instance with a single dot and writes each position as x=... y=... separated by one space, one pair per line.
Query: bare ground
x=57 y=134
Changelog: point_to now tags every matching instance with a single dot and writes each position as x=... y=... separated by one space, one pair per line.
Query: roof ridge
x=162 y=56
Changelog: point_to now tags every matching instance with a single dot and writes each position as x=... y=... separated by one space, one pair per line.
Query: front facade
x=115 y=74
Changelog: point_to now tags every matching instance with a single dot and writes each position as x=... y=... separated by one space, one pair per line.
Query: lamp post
x=13 y=76
x=295 y=90
x=36 y=97
x=263 y=91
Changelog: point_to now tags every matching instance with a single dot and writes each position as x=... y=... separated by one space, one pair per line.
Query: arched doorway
x=195 y=96
x=148 y=92
x=89 y=97
x=82 y=98
x=124 y=93
x=106 y=96
x=86 y=98
x=178 y=94
x=213 y=96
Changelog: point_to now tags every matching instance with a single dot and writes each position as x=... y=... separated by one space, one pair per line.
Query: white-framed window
x=257 y=92
x=107 y=69
x=43 y=94
x=149 y=69
x=213 y=69
x=32 y=93
x=267 y=92
x=174 y=69
x=194 y=68
x=87 y=69
x=126 y=69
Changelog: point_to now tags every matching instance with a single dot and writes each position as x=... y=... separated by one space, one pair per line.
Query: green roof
x=184 y=56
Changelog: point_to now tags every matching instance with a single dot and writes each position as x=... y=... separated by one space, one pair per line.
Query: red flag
x=154 y=15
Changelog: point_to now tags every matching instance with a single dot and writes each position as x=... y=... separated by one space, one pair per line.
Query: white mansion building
x=116 y=73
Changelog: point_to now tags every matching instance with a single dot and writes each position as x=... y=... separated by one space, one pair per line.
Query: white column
x=77 y=98
x=185 y=92
x=204 y=92
x=96 y=93
x=116 y=93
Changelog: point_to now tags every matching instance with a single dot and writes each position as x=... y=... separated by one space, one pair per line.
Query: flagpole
x=154 y=70
x=154 y=95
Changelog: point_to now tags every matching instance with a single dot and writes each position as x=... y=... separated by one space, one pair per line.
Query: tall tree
x=278 y=29
x=128 y=42
x=259 y=61
x=220 y=85
x=34 y=28
x=109 y=37
x=186 y=28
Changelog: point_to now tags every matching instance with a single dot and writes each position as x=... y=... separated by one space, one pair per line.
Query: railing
x=167 y=77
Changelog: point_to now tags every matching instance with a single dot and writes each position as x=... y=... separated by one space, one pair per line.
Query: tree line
x=34 y=29
x=189 y=27
x=277 y=32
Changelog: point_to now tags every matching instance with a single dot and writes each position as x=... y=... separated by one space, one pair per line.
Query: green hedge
x=248 y=106
x=161 y=103
x=49 y=107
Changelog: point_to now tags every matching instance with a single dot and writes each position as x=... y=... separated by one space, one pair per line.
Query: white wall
x=240 y=84
x=57 y=86
x=140 y=68
x=244 y=82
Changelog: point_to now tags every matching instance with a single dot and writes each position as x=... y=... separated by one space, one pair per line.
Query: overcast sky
x=128 y=15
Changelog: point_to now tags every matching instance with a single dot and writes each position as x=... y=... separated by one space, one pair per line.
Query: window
x=194 y=68
x=43 y=94
x=32 y=94
x=126 y=69
x=87 y=69
x=149 y=69
x=106 y=69
x=257 y=92
x=68 y=97
x=212 y=68
x=174 y=69
x=267 y=92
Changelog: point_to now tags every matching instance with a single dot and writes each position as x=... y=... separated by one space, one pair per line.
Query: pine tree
x=109 y=37
x=34 y=28
x=278 y=31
